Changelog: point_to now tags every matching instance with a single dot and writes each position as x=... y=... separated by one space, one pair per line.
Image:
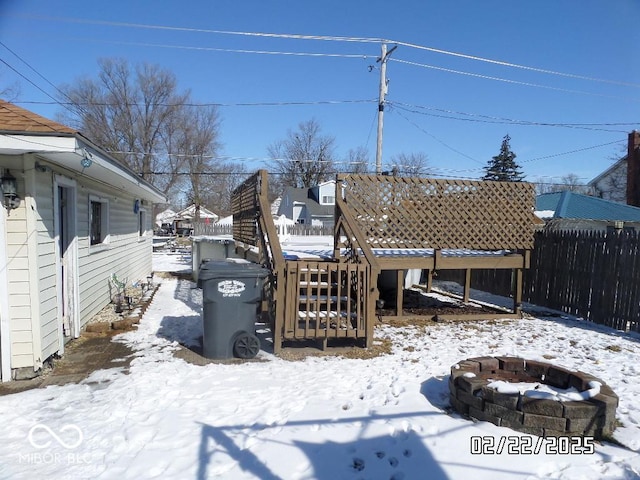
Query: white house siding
x=21 y=311
x=46 y=265
x=612 y=184
x=31 y=254
x=127 y=254
x=328 y=190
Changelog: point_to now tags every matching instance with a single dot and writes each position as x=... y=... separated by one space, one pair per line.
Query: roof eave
x=68 y=151
x=595 y=180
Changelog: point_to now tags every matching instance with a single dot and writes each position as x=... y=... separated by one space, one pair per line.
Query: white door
x=67 y=259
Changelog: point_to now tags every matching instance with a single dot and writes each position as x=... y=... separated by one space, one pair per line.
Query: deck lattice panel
x=401 y=212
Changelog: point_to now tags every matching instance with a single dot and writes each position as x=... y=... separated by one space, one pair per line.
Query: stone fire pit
x=533 y=397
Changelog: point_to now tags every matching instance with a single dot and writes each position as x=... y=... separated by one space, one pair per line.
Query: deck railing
x=325 y=300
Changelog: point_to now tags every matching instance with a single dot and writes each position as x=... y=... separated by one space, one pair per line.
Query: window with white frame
x=328 y=200
x=98 y=221
x=142 y=222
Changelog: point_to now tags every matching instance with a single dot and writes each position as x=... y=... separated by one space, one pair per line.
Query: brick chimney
x=633 y=169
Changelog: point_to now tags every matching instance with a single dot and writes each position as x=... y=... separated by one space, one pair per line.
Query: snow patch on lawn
x=323 y=417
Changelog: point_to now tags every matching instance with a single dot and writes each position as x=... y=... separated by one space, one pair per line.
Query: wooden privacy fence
x=592 y=275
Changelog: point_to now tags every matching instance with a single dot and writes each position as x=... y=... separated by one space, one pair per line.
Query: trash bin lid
x=230 y=268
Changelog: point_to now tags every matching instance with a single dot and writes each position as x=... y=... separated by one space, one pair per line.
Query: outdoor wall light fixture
x=9 y=187
x=87 y=159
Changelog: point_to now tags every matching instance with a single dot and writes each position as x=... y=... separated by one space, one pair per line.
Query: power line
x=479 y=118
x=212 y=31
x=438 y=140
x=398 y=105
x=28 y=80
x=234 y=50
x=353 y=39
x=203 y=104
x=429 y=174
x=574 y=151
x=515 y=65
x=37 y=73
x=237 y=158
x=522 y=161
x=505 y=80
x=365 y=40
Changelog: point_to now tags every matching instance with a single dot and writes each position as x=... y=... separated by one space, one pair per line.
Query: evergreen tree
x=502 y=167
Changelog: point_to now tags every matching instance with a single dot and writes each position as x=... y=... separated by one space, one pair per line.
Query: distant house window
x=98 y=221
x=328 y=200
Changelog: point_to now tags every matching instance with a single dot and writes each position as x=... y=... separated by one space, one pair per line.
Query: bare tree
x=10 y=93
x=305 y=157
x=410 y=164
x=543 y=187
x=613 y=185
x=217 y=186
x=125 y=111
x=569 y=182
x=139 y=116
x=197 y=142
x=357 y=161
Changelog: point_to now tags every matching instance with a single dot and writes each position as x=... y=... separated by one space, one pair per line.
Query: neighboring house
x=76 y=217
x=164 y=217
x=182 y=222
x=573 y=211
x=310 y=206
x=613 y=184
x=184 y=219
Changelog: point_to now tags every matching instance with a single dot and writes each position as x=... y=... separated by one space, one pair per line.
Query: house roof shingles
x=574 y=205
x=313 y=207
x=18 y=120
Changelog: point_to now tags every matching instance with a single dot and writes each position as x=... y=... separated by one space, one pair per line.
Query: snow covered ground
x=321 y=418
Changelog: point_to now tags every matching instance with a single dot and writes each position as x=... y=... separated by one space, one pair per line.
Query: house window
x=98 y=221
x=142 y=222
x=328 y=200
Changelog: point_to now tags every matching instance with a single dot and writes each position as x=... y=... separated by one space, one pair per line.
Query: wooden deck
x=383 y=224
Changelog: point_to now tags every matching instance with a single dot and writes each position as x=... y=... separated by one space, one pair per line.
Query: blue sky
x=441 y=104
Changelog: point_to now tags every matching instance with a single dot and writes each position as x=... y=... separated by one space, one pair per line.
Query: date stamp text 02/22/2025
x=528 y=445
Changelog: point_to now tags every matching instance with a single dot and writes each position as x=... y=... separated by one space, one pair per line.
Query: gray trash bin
x=231 y=296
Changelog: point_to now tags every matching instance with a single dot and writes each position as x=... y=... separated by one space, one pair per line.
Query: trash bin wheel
x=246 y=345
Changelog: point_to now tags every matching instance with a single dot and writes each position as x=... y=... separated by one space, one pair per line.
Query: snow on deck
x=321 y=247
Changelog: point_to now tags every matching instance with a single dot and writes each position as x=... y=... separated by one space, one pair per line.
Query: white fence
x=202 y=228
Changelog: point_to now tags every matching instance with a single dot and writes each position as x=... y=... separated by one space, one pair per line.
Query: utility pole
x=381 y=99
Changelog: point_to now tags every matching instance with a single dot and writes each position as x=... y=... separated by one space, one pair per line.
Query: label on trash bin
x=231 y=288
